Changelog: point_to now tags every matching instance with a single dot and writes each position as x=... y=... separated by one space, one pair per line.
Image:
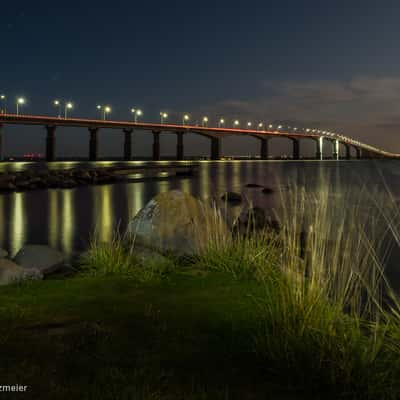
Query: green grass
x=113 y=338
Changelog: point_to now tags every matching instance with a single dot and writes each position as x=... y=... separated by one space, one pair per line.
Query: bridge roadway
x=214 y=134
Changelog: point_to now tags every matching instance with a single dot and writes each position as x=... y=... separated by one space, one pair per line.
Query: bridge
x=215 y=136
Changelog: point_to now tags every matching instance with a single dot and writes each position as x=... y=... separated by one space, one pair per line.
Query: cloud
x=365 y=107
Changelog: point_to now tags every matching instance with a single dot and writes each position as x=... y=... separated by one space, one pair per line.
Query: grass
x=253 y=315
x=121 y=257
x=113 y=338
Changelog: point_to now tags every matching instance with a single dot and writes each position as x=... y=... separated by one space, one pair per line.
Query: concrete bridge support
x=179 y=146
x=156 y=145
x=51 y=143
x=348 y=151
x=264 y=148
x=215 y=148
x=127 y=144
x=319 y=150
x=335 y=149
x=1 y=142
x=93 y=144
x=296 y=149
x=358 y=153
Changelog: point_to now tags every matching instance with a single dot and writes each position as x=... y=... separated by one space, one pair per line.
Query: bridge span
x=215 y=136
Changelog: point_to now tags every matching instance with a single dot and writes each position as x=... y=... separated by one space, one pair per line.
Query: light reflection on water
x=67 y=218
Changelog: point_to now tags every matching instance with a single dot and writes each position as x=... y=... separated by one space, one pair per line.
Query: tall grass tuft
x=121 y=257
x=245 y=255
x=324 y=321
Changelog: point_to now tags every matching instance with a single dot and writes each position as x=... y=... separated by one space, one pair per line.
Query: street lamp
x=270 y=126
x=249 y=125
x=185 y=119
x=236 y=123
x=68 y=106
x=260 y=126
x=99 y=109
x=163 y=115
x=3 y=100
x=136 y=113
x=20 y=102
x=221 y=122
x=57 y=104
x=106 y=110
x=205 y=121
x=279 y=127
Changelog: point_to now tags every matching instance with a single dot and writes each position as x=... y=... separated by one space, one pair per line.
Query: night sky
x=331 y=65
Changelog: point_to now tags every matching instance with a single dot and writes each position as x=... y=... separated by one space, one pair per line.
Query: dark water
x=66 y=218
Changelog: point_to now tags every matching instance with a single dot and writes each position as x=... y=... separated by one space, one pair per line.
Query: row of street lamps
x=104 y=110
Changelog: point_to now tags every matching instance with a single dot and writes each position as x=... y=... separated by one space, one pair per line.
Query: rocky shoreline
x=70 y=178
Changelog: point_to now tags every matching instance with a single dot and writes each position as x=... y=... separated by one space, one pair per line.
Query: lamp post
x=163 y=116
x=205 y=121
x=68 y=106
x=260 y=126
x=249 y=125
x=185 y=119
x=99 y=107
x=20 y=102
x=106 y=110
x=57 y=104
x=3 y=99
x=221 y=122
x=136 y=113
x=236 y=123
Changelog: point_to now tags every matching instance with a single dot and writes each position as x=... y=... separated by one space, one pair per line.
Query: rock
x=44 y=258
x=7 y=186
x=273 y=224
x=253 y=218
x=267 y=190
x=3 y=253
x=68 y=183
x=173 y=221
x=23 y=184
x=10 y=272
x=146 y=255
x=232 y=197
x=7 y=178
x=253 y=185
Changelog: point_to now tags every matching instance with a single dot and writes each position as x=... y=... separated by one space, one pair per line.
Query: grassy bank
x=186 y=337
x=303 y=312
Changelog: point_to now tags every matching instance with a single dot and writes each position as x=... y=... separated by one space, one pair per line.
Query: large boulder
x=10 y=272
x=174 y=221
x=253 y=218
x=3 y=253
x=232 y=197
x=44 y=258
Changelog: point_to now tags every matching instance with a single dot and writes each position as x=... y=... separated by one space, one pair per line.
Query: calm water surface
x=66 y=218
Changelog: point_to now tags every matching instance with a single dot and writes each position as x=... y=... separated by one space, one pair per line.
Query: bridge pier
x=348 y=151
x=127 y=144
x=335 y=152
x=51 y=143
x=358 y=153
x=156 y=145
x=319 y=151
x=296 y=149
x=1 y=142
x=215 y=148
x=264 y=149
x=93 y=144
x=179 y=146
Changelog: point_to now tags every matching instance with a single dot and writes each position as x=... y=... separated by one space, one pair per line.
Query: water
x=66 y=218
